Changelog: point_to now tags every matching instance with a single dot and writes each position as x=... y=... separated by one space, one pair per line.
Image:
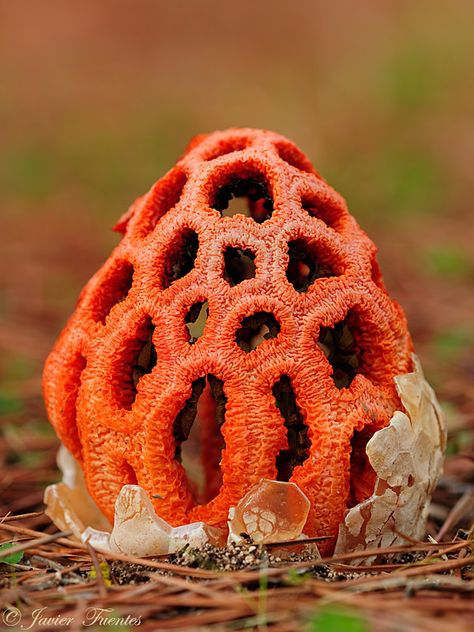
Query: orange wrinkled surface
x=299 y=403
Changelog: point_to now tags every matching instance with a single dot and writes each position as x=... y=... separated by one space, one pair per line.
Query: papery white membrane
x=407 y=457
x=137 y=530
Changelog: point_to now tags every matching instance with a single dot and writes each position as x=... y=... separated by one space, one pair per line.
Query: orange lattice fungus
x=242 y=318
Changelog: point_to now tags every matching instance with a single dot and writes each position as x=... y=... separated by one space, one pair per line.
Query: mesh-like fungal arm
x=293 y=371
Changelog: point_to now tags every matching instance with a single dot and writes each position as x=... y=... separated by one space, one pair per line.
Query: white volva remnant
x=407 y=457
x=137 y=529
x=69 y=504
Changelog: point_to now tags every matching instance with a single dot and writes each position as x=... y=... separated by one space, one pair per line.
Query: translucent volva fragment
x=140 y=532
x=137 y=530
x=272 y=511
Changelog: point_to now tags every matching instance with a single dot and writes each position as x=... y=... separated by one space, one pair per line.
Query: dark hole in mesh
x=146 y=357
x=293 y=156
x=303 y=266
x=198 y=437
x=113 y=291
x=195 y=320
x=362 y=474
x=256 y=203
x=297 y=431
x=238 y=265
x=181 y=257
x=316 y=209
x=185 y=418
x=255 y=329
x=129 y=474
x=339 y=346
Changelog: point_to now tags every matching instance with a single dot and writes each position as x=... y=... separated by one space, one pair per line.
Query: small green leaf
x=329 y=619
x=296 y=578
x=14 y=558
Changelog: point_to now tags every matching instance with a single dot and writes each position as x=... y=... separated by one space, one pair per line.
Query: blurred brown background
x=97 y=100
